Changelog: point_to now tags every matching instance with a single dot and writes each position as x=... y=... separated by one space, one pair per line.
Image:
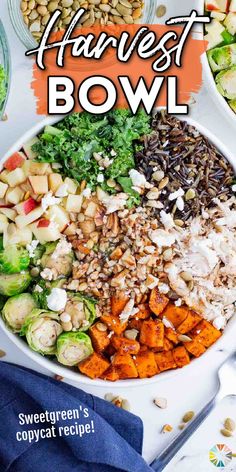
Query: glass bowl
x=27 y=39
x=5 y=61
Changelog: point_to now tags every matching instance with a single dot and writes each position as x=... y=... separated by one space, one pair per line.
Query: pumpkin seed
x=226 y=433
x=124 y=11
x=163 y=183
x=181 y=426
x=190 y=194
x=125 y=3
x=101 y=327
x=188 y=416
x=160 y=11
x=184 y=338
x=131 y=333
x=167 y=428
x=2 y=353
x=229 y=424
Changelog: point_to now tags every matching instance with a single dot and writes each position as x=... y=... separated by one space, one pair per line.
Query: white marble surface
x=185 y=389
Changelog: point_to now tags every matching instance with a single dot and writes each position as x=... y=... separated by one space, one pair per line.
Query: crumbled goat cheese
x=178 y=302
x=138 y=179
x=176 y=194
x=162 y=238
x=115 y=202
x=62 y=191
x=62 y=249
x=57 y=299
x=167 y=220
x=100 y=178
x=47 y=274
x=163 y=288
x=87 y=192
x=48 y=200
x=219 y=322
x=234 y=188
x=31 y=247
x=128 y=311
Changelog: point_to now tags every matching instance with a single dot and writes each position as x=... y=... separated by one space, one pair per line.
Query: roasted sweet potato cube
x=189 y=323
x=157 y=302
x=195 y=347
x=181 y=356
x=124 y=366
x=175 y=314
x=94 y=366
x=100 y=339
x=110 y=374
x=152 y=333
x=144 y=311
x=165 y=360
x=146 y=364
x=135 y=324
x=118 y=303
x=206 y=333
x=167 y=346
x=171 y=335
x=123 y=345
x=114 y=323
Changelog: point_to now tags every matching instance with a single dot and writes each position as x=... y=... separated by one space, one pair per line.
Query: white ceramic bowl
x=220 y=101
x=67 y=372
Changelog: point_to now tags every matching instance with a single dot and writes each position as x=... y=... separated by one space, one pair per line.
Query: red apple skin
x=29 y=205
x=43 y=223
x=14 y=161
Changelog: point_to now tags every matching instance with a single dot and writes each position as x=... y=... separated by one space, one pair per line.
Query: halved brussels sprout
x=82 y=311
x=222 y=58
x=226 y=83
x=13 y=284
x=16 y=309
x=73 y=348
x=14 y=259
x=42 y=329
x=61 y=263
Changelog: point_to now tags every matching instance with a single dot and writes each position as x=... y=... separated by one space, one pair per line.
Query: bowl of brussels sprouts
x=219 y=61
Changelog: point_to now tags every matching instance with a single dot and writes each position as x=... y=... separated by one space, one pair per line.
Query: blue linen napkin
x=114 y=446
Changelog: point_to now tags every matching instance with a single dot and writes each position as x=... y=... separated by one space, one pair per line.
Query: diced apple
x=38 y=168
x=14 y=195
x=59 y=215
x=16 y=160
x=72 y=185
x=218 y=15
x=15 y=177
x=230 y=23
x=26 y=207
x=74 y=203
x=10 y=213
x=28 y=148
x=91 y=210
x=43 y=223
x=217 y=5
x=24 y=220
x=39 y=183
x=26 y=167
x=3 y=223
x=54 y=181
x=46 y=234
x=3 y=175
x=14 y=235
x=3 y=189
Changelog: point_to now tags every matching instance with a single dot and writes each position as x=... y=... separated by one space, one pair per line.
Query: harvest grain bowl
x=122 y=266
x=219 y=62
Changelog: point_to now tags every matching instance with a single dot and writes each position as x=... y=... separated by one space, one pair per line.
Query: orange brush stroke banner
x=78 y=69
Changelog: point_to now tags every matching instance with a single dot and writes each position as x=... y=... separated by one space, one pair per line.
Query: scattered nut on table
x=160 y=402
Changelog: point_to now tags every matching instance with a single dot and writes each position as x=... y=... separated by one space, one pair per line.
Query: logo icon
x=220 y=455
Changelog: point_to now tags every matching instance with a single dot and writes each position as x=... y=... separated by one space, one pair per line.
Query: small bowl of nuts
x=30 y=18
